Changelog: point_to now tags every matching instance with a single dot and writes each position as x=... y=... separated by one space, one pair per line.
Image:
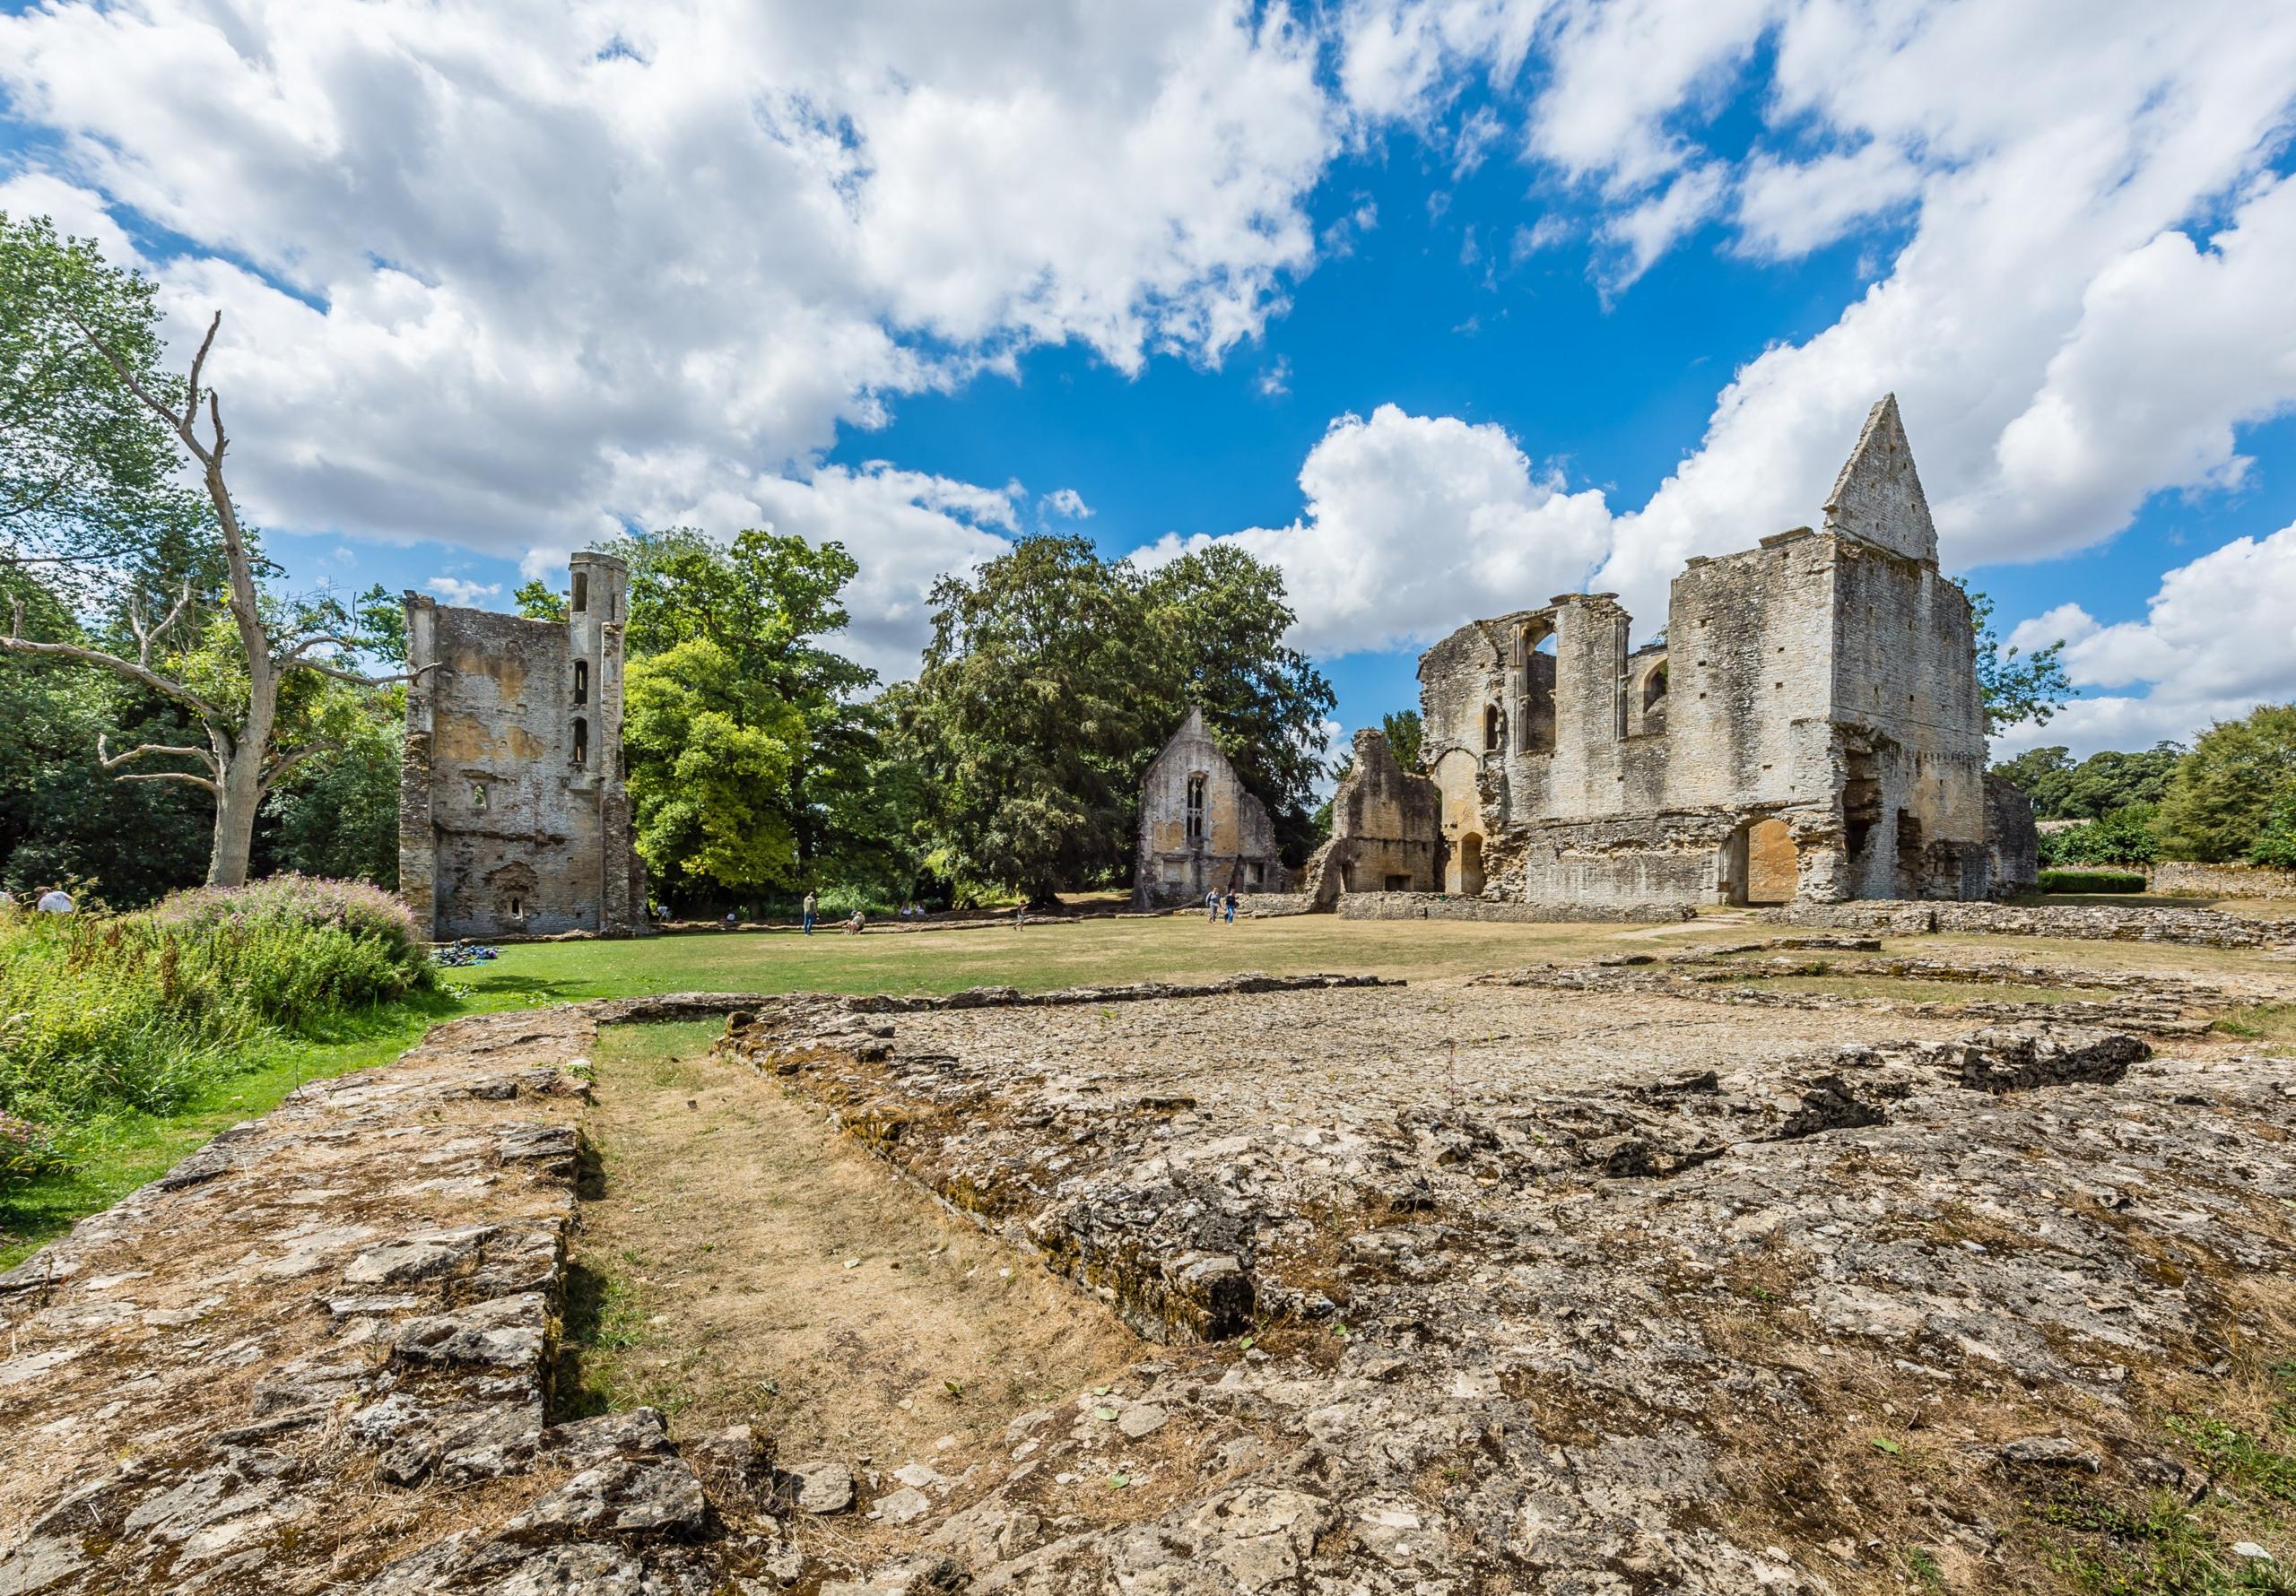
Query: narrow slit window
x=1490 y=731
x=1195 y=809
x=581 y=741
x=581 y=591
x=478 y=794
x=581 y=682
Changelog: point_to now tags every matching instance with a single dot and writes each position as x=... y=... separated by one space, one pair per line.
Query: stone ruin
x=1201 y=829
x=513 y=820
x=1808 y=727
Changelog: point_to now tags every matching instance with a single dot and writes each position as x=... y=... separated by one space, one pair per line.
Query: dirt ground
x=743 y=1264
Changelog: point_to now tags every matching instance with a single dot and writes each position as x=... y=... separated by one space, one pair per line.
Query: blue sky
x=1443 y=309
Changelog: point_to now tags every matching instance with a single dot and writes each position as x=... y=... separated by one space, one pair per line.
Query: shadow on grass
x=598 y=1319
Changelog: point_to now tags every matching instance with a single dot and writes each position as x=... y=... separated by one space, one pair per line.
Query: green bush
x=2092 y=881
x=2276 y=844
x=2127 y=836
x=100 y=1015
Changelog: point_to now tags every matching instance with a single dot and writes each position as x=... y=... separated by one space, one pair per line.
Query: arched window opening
x=1654 y=689
x=581 y=741
x=1196 y=808
x=581 y=682
x=478 y=794
x=1492 y=724
x=1535 y=707
x=581 y=592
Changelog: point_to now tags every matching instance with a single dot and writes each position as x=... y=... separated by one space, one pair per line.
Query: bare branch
x=183 y=776
x=290 y=663
x=112 y=761
x=313 y=641
x=191 y=384
x=132 y=669
x=293 y=756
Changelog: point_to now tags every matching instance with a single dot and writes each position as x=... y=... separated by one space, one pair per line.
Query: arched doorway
x=1466 y=876
x=1773 y=865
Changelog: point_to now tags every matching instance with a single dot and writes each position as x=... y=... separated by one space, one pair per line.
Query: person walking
x=1211 y=905
x=809 y=911
x=1232 y=906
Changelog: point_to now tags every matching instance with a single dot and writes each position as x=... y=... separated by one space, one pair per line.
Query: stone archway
x=1773 y=863
x=1465 y=877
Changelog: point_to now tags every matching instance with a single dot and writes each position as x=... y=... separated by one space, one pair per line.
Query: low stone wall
x=1436 y=905
x=1269 y=906
x=2222 y=881
x=315 y=1356
x=2096 y=923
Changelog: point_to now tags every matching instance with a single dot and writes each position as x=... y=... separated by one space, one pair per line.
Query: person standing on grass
x=53 y=900
x=1232 y=906
x=1211 y=907
x=809 y=911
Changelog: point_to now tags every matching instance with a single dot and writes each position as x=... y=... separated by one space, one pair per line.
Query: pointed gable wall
x=1878 y=495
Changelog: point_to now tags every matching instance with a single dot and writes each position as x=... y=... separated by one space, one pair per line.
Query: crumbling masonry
x=513 y=817
x=1201 y=829
x=1808 y=726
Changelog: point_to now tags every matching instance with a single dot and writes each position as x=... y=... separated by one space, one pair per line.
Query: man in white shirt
x=55 y=900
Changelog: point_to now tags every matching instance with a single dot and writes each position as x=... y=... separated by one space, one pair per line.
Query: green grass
x=130 y=1150
x=127 y=1150
x=1038 y=958
x=2272 y=1023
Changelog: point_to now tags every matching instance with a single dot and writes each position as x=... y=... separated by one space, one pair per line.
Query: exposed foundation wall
x=1225 y=842
x=513 y=818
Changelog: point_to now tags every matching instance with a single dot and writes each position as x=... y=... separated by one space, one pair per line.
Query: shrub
x=2092 y=881
x=99 y=1014
x=2276 y=844
x=2125 y=836
x=27 y=1150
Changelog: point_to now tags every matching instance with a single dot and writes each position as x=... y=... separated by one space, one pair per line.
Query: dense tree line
x=2231 y=797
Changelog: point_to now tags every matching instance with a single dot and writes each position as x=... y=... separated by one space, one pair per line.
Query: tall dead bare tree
x=242 y=765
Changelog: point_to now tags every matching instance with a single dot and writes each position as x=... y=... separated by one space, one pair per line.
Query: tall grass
x=137 y=1013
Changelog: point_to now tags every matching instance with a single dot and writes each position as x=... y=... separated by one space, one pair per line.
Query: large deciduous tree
x=225 y=666
x=1052 y=679
x=2225 y=792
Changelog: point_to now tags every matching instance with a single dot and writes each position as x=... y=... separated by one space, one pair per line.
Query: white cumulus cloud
x=1413 y=523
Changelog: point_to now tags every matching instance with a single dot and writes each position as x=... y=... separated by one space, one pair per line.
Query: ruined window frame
x=1198 y=783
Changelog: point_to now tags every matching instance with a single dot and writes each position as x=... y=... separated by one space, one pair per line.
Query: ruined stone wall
x=1811 y=727
x=2013 y=837
x=1385 y=829
x=513 y=820
x=2223 y=880
x=1233 y=846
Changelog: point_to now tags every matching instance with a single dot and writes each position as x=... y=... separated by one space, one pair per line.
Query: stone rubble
x=1593 y=1290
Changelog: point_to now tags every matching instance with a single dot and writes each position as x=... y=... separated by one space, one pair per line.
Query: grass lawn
x=886 y=959
x=1037 y=958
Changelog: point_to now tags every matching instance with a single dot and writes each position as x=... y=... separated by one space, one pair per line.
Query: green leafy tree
x=1030 y=719
x=62 y=819
x=769 y=600
x=2275 y=845
x=710 y=749
x=338 y=815
x=87 y=470
x=2226 y=791
x=2098 y=786
x=2015 y=686
x=538 y=601
x=2128 y=835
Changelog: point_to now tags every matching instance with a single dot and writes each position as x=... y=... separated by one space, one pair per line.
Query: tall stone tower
x=514 y=814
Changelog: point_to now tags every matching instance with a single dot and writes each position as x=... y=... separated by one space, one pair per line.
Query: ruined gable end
x=1878 y=496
